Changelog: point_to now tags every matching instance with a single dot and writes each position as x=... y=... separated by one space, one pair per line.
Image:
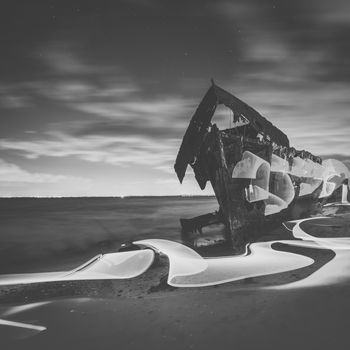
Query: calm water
x=59 y=233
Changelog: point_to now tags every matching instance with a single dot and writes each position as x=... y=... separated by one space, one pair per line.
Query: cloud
x=104 y=91
x=64 y=90
x=309 y=34
x=335 y=12
x=167 y=111
x=12 y=173
x=288 y=69
x=70 y=77
x=81 y=90
x=115 y=150
x=12 y=99
x=131 y=128
x=61 y=59
x=318 y=123
x=166 y=168
x=111 y=127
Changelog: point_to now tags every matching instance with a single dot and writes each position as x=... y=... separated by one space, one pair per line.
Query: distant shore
x=92 y=197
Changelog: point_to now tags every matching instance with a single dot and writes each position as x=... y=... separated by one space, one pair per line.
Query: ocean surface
x=47 y=234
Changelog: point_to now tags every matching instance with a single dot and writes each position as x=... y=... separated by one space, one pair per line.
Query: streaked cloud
x=60 y=57
x=335 y=12
x=116 y=150
x=12 y=173
x=8 y=101
x=12 y=99
x=152 y=113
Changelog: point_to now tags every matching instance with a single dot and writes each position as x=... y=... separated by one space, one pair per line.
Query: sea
x=48 y=234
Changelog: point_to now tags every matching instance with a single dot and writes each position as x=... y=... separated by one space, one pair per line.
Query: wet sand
x=220 y=317
x=144 y=312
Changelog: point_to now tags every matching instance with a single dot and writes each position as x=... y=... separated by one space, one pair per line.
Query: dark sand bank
x=144 y=312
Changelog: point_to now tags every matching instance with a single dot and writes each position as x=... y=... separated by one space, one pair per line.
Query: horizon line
x=128 y=196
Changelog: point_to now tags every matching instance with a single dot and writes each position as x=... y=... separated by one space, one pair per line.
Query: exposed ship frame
x=255 y=174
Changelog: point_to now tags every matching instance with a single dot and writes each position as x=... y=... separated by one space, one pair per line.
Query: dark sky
x=95 y=96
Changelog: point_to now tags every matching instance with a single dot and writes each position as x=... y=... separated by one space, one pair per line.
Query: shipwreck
x=257 y=177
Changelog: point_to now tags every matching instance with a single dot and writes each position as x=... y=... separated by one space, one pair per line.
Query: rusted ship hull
x=255 y=174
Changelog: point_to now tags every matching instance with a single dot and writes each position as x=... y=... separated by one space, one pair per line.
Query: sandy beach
x=145 y=312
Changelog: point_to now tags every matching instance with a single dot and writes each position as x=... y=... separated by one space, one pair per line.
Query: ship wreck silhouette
x=256 y=176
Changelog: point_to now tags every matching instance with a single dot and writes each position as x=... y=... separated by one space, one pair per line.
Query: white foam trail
x=22 y=325
x=335 y=271
x=26 y=278
x=191 y=270
x=108 y=266
x=327 y=243
x=287 y=226
x=337 y=204
x=115 y=266
x=183 y=261
x=21 y=308
x=26 y=329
